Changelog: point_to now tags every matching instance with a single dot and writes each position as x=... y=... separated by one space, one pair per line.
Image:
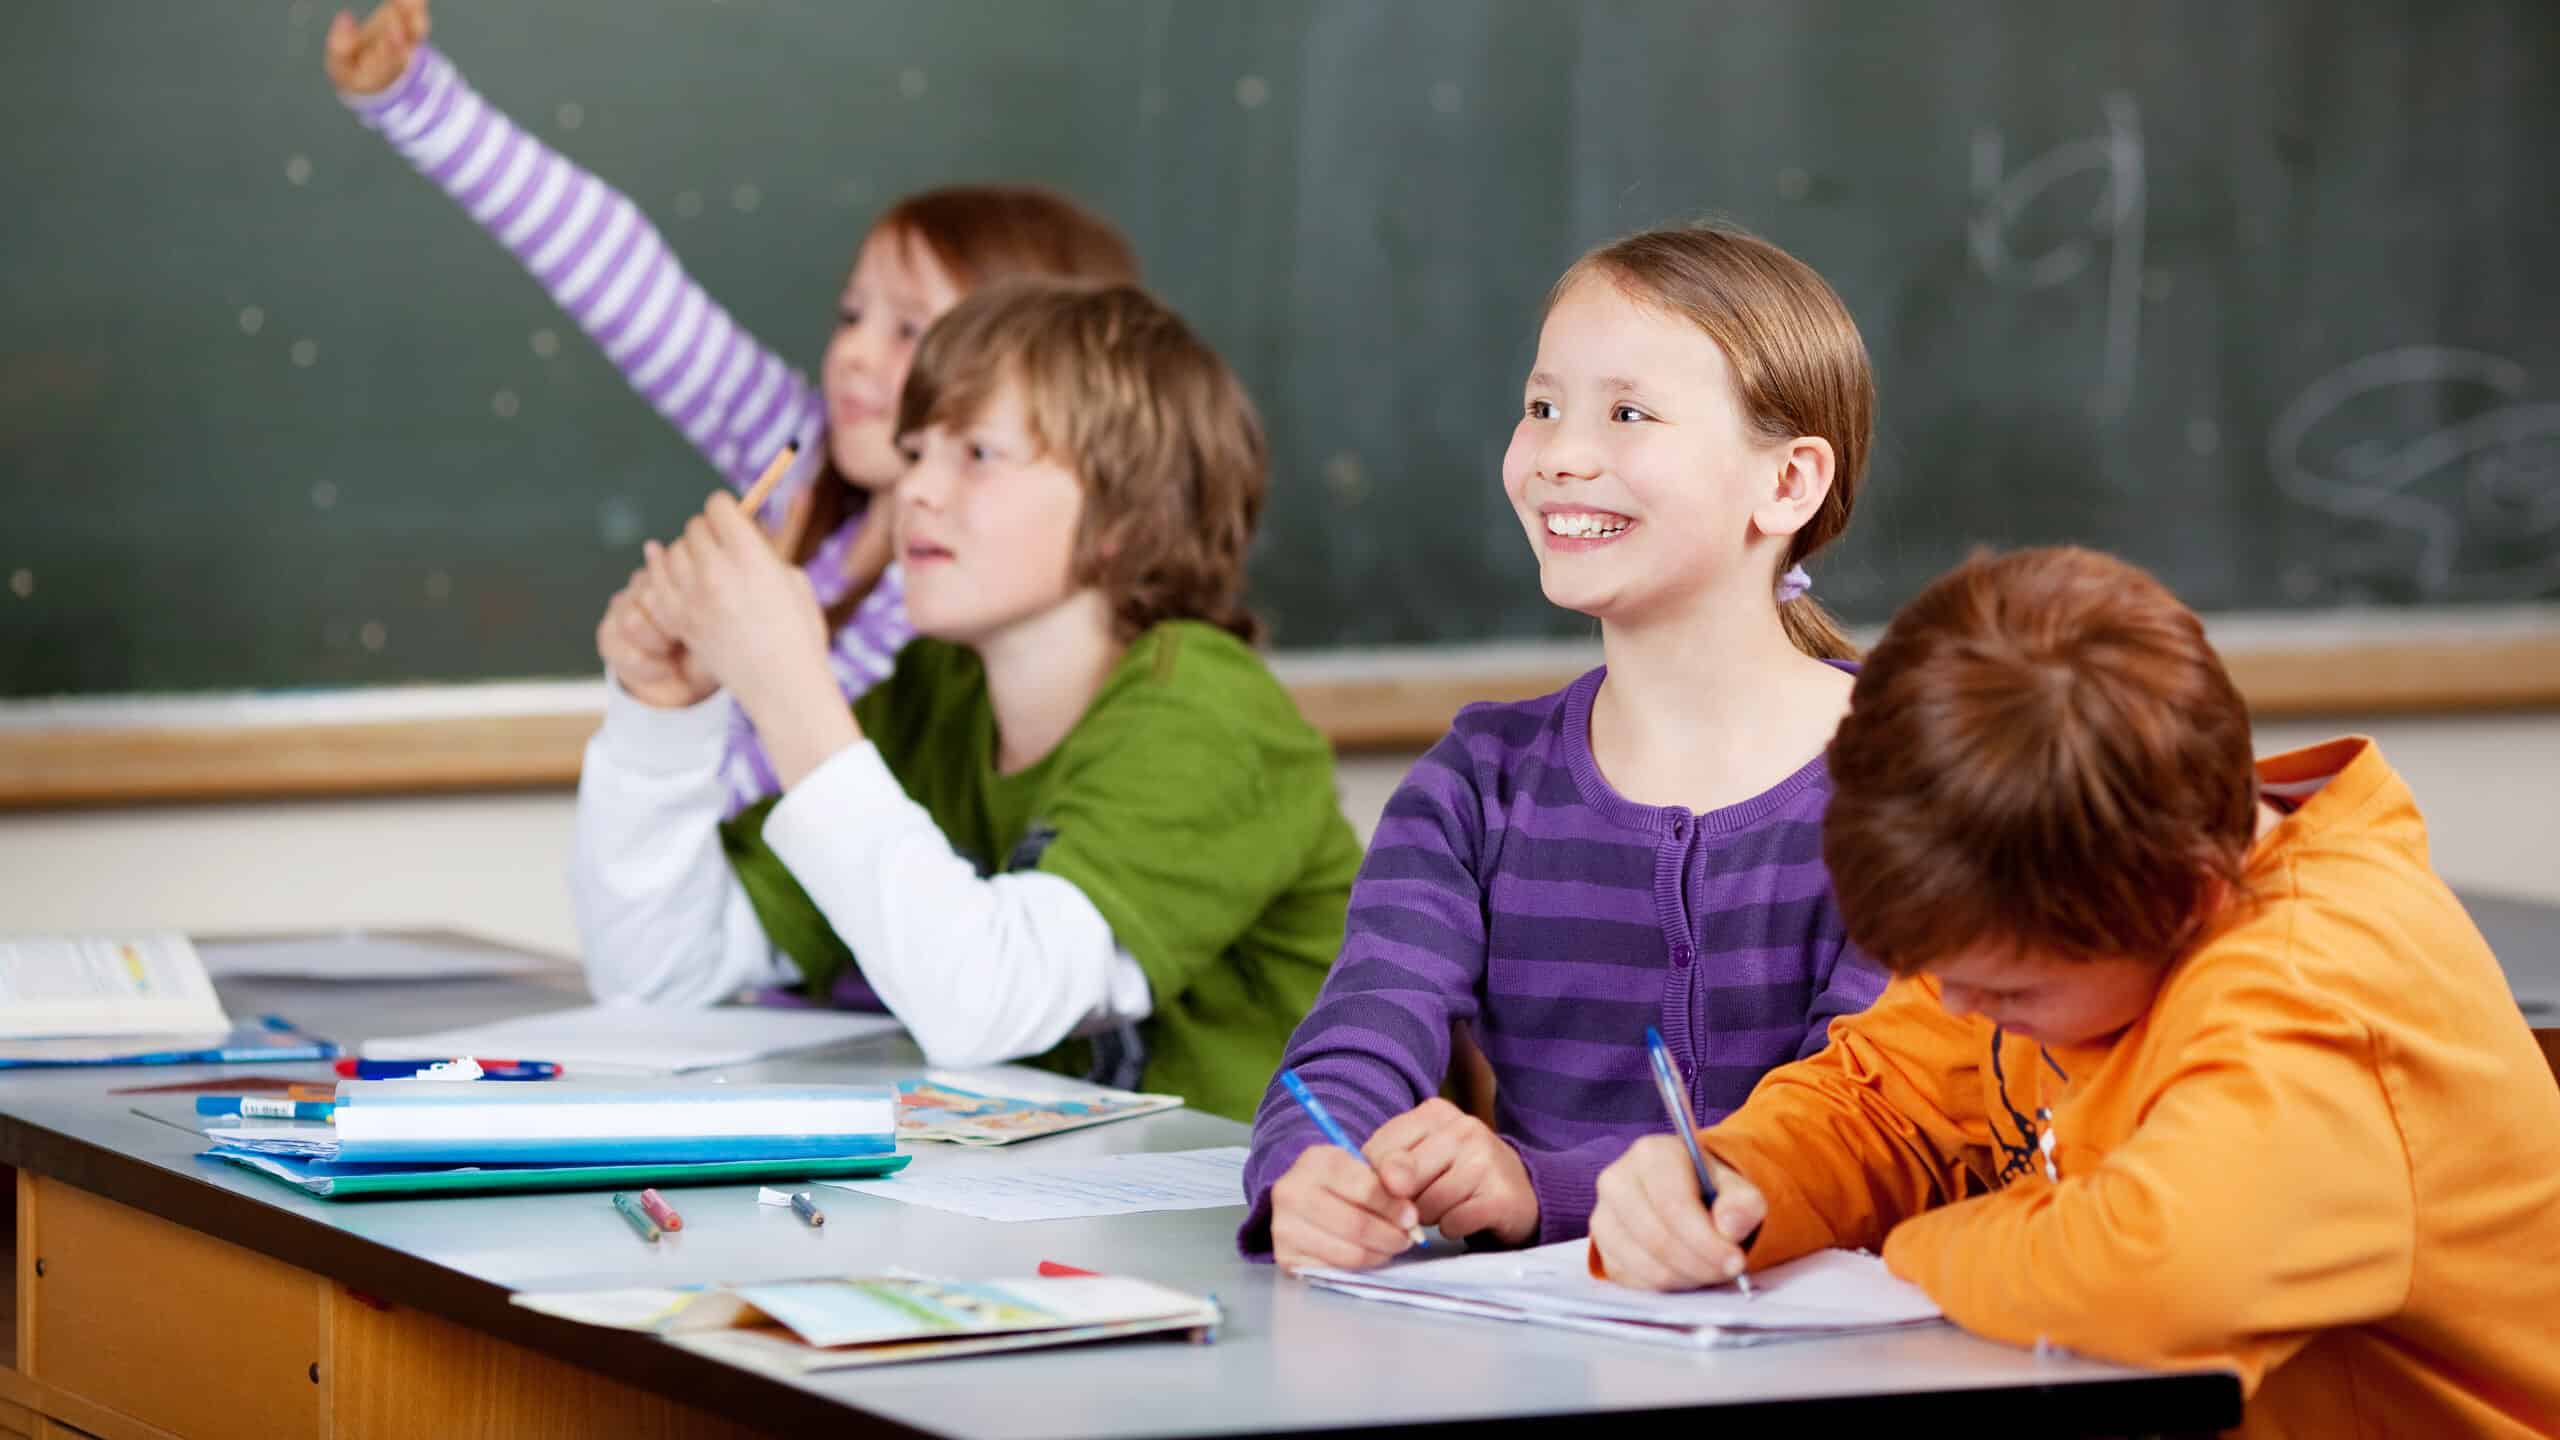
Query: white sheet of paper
x=356 y=956
x=1114 y=1185
x=640 y=1039
x=1826 y=1292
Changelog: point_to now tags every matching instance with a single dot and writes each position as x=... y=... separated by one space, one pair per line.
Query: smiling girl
x=1642 y=847
x=736 y=400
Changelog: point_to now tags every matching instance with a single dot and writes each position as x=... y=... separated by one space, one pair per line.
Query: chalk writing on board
x=2001 y=196
x=2482 y=464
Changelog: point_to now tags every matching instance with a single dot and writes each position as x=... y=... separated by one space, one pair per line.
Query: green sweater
x=1191 y=804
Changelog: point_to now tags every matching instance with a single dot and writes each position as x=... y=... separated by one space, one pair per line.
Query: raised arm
x=586 y=243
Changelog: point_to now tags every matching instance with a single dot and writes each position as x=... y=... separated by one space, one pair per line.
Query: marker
x=264 y=1107
x=1332 y=1129
x=660 y=1211
x=355 y=1069
x=807 y=1209
x=1675 y=1099
x=630 y=1209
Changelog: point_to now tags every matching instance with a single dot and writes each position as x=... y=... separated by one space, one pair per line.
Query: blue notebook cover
x=268 y=1039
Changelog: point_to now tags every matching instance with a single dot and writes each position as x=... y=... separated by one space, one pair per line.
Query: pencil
x=757 y=493
x=1331 y=1127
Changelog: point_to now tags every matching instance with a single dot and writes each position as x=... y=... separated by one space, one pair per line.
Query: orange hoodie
x=2328 y=1158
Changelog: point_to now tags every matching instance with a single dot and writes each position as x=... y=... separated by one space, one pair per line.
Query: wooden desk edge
x=742 y=1396
x=1377 y=707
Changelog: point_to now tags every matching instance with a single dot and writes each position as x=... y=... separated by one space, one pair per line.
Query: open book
x=793 y=1327
x=105 y=985
x=560 y=1122
x=1830 y=1292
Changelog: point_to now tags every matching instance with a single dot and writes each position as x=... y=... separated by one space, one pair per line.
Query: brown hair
x=1799 y=366
x=1156 y=427
x=2044 y=752
x=976 y=233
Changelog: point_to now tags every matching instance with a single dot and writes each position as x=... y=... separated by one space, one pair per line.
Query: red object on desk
x=1055 y=1271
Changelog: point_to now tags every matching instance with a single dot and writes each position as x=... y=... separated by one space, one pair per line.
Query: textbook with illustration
x=968 y=1110
x=1830 y=1292
x=792 y=1328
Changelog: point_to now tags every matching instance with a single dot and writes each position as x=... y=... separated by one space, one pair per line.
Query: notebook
x=331 y=1180
x=1830 y=1292
x=568 y=1121
x=640 y=1039
x=792 y=1328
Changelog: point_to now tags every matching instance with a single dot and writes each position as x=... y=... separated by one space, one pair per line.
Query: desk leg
x=400 y=1373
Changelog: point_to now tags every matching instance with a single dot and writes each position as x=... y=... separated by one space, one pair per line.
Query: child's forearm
x=606 y=266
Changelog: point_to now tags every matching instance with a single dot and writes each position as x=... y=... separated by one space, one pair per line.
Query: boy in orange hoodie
x=2189 y=1062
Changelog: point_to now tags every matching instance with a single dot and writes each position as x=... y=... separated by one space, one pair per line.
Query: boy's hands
x=750 y=620
x=1459 y=1175
x=364 y=59
x=1329 y=1209
x=1652 y=1228
x=652 y=665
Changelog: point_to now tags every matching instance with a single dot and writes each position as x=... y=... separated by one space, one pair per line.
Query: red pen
x=660 y=1211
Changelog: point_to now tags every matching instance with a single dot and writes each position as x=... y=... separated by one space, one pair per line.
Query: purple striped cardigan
x=1509 y=886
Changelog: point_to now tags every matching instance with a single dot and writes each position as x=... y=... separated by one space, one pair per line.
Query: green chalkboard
x=2263 y=292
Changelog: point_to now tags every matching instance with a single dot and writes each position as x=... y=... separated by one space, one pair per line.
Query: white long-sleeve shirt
x=979 y=969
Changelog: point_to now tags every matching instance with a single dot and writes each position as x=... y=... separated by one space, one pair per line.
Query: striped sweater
x=1509 y=886
x=611 y=271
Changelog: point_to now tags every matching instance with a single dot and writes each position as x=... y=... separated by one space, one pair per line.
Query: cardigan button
x=1681 y=954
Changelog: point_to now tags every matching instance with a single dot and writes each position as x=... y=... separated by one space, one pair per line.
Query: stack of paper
x=391 y=1136
x=794 y=1327
x=1832 y=1292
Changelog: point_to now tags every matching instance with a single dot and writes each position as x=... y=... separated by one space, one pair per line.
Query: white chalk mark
x=1252 y=92
x=911 y=83
x=373 y=636
x=324 y=496
x=252 y=320
x=2000 y=199
x=746 y=198
x=546 y=343
x=2376 y=478
x=688 y=203
x=439 y=587
x=571 y=114
x=1446 y=97
x=306 y=353
x=298 y=170
x=504 y=404
x=22 y=583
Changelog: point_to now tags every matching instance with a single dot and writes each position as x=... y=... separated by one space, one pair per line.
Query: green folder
x=376 y=1183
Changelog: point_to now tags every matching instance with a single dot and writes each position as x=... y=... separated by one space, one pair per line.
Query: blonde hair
x=1799 y=366
x=1158 y=430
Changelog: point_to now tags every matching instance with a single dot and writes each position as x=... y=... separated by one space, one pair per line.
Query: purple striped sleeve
x=1377 y=1041
x=610 y=270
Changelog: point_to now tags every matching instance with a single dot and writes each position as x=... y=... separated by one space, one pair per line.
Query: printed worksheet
x=1113 y=1185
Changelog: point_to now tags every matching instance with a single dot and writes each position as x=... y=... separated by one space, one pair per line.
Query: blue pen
x=1332 y=1128
x=1675 y=1098
x=265 y=1107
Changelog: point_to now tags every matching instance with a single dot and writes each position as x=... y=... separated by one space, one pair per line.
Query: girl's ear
x=1799 y=480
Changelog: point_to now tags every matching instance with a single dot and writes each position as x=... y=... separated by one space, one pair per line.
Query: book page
x=105 y=985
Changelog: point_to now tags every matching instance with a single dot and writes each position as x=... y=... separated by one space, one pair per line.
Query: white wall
x=492 y=864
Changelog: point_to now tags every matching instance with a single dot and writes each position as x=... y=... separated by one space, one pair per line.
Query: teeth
x=1585 y=524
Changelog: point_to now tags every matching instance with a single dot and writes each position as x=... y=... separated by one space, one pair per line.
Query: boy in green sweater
x=1080 y=821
